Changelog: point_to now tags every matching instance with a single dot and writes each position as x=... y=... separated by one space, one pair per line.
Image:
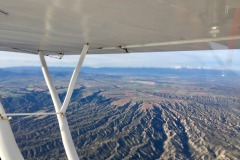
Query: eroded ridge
x=119 y=117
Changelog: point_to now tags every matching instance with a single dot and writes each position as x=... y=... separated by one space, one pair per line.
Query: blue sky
x=198 y=59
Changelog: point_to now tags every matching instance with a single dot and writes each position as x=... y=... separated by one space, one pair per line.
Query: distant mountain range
x=30 y=71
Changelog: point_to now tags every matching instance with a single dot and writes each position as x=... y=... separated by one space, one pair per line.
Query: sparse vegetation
x=131 y=117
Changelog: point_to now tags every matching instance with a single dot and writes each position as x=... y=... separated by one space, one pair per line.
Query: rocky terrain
x=133 y=117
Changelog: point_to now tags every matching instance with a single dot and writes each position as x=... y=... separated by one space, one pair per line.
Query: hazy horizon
x=220 y=60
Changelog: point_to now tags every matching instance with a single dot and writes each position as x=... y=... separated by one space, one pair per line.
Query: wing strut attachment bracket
x=58 y=56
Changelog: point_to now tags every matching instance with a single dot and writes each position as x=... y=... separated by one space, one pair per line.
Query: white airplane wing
x=114 y=26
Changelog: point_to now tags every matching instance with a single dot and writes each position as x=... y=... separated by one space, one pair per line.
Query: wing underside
x=113 y=26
